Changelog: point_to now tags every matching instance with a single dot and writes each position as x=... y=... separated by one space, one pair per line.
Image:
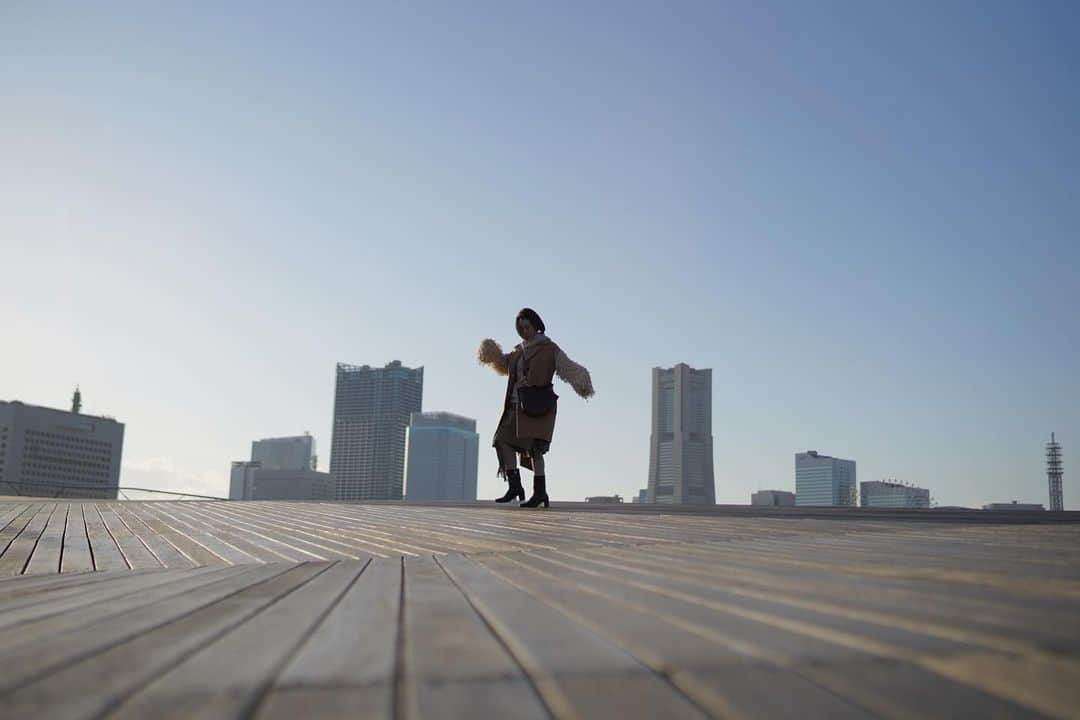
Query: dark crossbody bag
x=537 y=400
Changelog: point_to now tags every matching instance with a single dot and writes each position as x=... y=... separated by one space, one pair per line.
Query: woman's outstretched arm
x=576 y=375
x=491 y=354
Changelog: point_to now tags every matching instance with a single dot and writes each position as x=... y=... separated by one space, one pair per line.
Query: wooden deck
x=284 y=610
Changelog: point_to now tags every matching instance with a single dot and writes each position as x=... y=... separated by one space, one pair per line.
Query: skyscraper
x=442 y=457
x=824 y=480
x=285 y=453
x=680 y=449
x=372 y=407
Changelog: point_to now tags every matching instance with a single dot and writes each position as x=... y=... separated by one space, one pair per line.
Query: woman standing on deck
x=528 y=416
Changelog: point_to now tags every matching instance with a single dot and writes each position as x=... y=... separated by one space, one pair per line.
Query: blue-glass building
x=441 y=462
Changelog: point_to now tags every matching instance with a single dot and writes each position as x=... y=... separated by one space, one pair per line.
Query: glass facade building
x=442 y=457
x=823 y=480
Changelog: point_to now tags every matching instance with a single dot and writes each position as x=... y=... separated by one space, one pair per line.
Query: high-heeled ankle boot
x=513 y=477
x=539 y=493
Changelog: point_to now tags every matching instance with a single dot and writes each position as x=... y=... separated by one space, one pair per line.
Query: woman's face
x=525 y=329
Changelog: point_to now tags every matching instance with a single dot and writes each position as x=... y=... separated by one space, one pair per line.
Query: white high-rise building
x=55 y=453
x=681 y=446
x=824 y=480
x=372 y=407
x=442 y=457
x=285 y=453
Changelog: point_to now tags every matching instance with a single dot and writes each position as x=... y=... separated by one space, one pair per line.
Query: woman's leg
x=508 y=459
x=508 y=462
x=539 y=495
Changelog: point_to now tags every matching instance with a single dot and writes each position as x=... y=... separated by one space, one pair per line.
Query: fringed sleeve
x=576 y=375
x=491 y=354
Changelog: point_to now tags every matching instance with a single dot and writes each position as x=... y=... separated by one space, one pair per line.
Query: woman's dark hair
x=530 y=315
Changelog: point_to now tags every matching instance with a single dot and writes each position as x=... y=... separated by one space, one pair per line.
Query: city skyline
x=305 y=444
x=869 y=242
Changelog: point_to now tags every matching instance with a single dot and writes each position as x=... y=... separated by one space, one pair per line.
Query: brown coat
x=540 y=371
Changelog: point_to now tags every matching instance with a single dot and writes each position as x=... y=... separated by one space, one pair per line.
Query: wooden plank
x=246 y=538
x=46 y=557
x=57 y=615
x=137 y=555
x=892 y=603
x=227 y=551
x=33 y=602
x=12 y=588
x=211 y=683
x=576 y=671
x=13 y=529
x=294 y=533
x=103 y=548
x=346 y=666
x=55 y=653
x=892 y=689
x=656 y=637
x=96 y=684
x=198 y=553
x=18 y=553
x=168 y=554
x=8 y=513
x=451 y=660
x=76 y=557
x=758 y=641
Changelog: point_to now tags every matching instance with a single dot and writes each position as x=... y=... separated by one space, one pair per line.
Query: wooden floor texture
x=295 y=610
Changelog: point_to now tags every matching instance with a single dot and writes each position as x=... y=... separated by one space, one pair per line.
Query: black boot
x=539 y=493
x=515 y=490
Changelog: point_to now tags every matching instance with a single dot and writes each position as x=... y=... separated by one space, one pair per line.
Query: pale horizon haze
x=863 y=217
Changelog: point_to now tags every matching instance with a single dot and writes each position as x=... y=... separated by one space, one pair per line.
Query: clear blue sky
x=864 y=217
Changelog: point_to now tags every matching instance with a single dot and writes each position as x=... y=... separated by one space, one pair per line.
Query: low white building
x=1013 y=506
x=776 y=498
x=285 y=453
x=886 y=494
x=251 y=481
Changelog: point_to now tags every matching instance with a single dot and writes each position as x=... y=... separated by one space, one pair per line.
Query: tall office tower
x=372 y=407
x=1054 y=473
x=824 y=480
x=56 y=453
x=886 y=494
x=285 y=453
x=442 y=457
x=680 y=449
